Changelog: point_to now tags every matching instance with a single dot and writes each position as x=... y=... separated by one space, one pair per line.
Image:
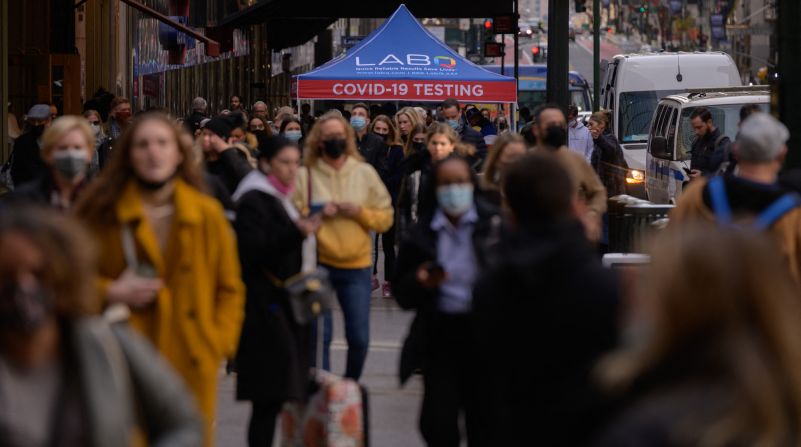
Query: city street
x=185 y=182
x=393 y=411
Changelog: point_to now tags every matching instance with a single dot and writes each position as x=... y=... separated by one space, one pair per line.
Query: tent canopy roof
x=402 y=48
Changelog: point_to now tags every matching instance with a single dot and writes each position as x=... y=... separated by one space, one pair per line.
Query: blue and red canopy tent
x=402 y=61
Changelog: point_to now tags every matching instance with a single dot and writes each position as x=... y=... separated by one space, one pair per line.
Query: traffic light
x=581 y=6
x=643 y=8
x=488 y=25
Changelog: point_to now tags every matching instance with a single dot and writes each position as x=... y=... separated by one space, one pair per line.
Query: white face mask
x=95 y=128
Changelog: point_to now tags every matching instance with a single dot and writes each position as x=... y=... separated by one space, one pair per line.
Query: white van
x=671 y=136
x=634 y=84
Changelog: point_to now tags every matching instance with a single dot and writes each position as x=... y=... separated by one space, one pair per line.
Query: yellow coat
x=196 y=318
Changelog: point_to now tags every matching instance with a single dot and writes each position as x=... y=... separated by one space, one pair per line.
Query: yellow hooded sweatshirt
x=344 y=242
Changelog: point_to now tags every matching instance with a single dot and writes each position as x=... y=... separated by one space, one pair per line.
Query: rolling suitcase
x=335 y=413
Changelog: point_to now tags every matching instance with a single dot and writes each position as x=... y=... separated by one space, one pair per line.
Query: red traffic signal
x=535 y=50
x=488 y=24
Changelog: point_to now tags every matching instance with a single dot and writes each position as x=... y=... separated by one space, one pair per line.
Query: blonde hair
x=488 y=178
x=313 y=151
x=393 y=137
x=460 y=148
x=410 y=113
x=723 y=297
x=602 y=116
x=245 y=151
x=64 y=125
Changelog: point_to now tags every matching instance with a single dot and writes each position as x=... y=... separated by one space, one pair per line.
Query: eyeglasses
x=94 y=122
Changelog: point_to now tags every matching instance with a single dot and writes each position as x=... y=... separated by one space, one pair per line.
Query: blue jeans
x=353 y=292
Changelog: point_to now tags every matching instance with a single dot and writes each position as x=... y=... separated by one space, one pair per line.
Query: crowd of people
x=137 y=258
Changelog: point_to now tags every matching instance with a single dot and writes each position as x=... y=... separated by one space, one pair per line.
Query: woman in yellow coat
x=168 y=253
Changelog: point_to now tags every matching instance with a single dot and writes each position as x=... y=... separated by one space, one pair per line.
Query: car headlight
x=635 y=177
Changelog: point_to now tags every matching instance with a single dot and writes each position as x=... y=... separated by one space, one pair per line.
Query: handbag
x=310 y=293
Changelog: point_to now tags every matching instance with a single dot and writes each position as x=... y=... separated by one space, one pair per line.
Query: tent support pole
x=513 y=117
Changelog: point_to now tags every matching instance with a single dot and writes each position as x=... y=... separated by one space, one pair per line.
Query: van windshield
x=726 y=117
x=534 y=98
x=636 y=111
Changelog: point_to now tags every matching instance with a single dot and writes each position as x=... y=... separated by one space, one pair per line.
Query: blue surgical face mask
x=358 y=122
x=455 y=124
x=293 y=135
x=455 y=199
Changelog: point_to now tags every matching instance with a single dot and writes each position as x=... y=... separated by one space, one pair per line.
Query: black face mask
x=37 y=131
x=334 y=148
x=418 y=146
x=155 y=186
x=555 y=136
x=24 y=308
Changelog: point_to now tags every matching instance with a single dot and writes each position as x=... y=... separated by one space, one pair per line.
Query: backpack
x=763 y=221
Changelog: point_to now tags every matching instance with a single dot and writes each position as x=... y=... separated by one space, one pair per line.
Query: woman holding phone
x=168 y=254
x=437 y=265
x=354 y=202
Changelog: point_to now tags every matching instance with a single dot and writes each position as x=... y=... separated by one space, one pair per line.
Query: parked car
x=671 y=135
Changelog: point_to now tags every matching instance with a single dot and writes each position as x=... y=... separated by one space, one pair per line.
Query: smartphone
x=435 y=269
x=146 y=271
x=315 y=208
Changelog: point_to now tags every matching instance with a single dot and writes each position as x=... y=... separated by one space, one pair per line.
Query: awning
x=212 y=46
x=282 y=31
x=402 y=60
x=293 y=22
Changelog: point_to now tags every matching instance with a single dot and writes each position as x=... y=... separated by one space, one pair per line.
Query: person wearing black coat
x=275 y=243
x=607 y=157
x=437 y=264
x=27 y=162
x=387 y=162
x=222 y=159
x=546 y=311
x=468 y=135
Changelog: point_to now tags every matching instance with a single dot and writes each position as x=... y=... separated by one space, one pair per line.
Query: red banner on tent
x=407 y=90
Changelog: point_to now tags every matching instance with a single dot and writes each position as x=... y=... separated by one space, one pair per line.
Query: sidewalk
x=393 y=411
x=628 y=44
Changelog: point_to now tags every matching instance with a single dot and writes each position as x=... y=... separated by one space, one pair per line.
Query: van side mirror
x=659 y=148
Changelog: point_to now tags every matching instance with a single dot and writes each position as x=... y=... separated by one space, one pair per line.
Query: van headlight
x=635 y=177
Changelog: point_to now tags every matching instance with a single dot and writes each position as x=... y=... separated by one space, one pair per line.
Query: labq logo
x=410 y=59
x=449 y=61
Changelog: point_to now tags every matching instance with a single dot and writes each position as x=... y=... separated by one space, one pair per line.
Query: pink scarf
x=285 y=190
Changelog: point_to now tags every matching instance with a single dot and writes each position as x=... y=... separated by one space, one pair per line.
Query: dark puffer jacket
x=609 y=163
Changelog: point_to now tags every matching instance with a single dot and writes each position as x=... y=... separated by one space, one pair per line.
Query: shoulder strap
x=776 y=211
x=129 y=246
x=309 y=187
x=720 y=203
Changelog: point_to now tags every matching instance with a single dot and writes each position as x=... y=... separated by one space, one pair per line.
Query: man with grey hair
x=199 y=109
x=752 y=196
x=260 y=110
